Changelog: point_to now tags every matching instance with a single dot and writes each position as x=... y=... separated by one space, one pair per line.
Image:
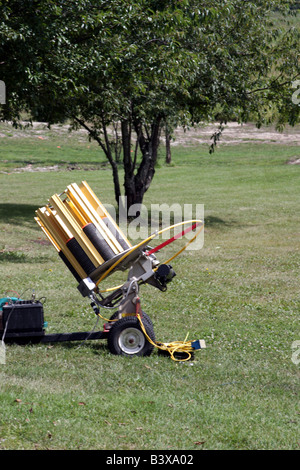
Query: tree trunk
x=116 y=181
x=128 y=164
x=140 y=182
x=135 y=183
x=168 y=146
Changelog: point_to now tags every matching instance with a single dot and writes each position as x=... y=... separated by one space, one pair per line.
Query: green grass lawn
x=240 y=293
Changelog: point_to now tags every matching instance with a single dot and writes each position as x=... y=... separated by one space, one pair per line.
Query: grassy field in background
x=240 y=293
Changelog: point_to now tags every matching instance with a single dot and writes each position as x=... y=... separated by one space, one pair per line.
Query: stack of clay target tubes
x=81 y=230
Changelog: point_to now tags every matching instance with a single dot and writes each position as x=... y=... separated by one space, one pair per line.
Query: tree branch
x=270 y=86
x=106 y=151
x=92 y=133
x=136 y=150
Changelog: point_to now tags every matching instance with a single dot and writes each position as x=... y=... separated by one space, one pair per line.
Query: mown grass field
x=240 y=293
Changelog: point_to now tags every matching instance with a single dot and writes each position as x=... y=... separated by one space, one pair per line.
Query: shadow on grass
x=98 y=346
x=17 y=213
x=20 y=257
x=212 y=221
x=161 y=220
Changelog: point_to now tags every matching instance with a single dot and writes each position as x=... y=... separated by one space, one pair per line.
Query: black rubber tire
x=126 y=337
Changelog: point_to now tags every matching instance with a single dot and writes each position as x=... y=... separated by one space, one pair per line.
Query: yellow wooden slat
x=78 y=216
x=61 y=224
x=82 y=204
x=51 y=224
x=93 y=199
x=99 y=207
x=77 y=195
x=54 y=228
x=48 y=235
x=76 y=230
x=95 y=218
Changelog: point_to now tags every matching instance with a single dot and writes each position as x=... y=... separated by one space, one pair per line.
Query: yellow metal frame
x=65 y=216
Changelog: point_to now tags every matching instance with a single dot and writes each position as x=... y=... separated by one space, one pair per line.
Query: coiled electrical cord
x=182 y=347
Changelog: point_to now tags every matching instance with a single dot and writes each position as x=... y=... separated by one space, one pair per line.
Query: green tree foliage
x=123 y=69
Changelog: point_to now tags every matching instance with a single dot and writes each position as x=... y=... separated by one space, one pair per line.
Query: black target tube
x=98 y=241
x=69 y=265
x=116 y=233
x=80 y=255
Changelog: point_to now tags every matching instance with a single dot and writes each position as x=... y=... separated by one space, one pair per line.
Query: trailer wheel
x=126 y=337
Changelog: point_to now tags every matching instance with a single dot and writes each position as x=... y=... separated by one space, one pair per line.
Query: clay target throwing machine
x=93 y=247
